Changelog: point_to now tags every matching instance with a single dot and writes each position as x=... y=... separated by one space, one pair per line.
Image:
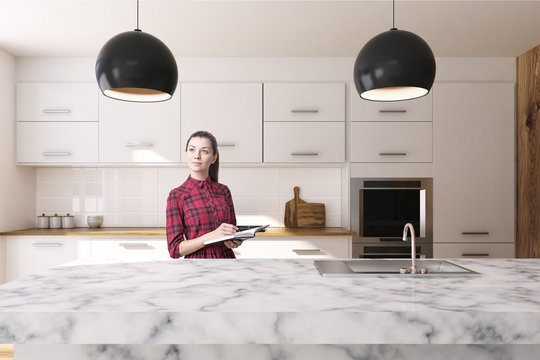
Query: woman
x=201 y=209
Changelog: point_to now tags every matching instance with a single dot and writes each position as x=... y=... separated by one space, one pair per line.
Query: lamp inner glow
x=394 y=93
x=137 y=94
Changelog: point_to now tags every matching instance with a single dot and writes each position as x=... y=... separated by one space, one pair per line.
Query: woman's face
x=199 y=156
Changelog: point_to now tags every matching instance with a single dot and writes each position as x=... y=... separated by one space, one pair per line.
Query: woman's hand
x=231 y=244
x=224 y=230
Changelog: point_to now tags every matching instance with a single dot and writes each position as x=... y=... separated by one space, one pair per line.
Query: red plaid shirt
x=194 y=209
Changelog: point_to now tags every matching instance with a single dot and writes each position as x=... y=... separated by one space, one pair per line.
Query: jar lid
x=67 y=215
x=43 y=215
x=55 y=215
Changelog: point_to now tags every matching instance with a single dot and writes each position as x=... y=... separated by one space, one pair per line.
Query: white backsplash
x=137 y=197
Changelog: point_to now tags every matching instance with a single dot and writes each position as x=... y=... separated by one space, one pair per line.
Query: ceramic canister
x=68 y=221
x=55 y=222
x=43 y=222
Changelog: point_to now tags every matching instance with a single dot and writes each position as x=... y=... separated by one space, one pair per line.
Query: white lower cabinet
x=295 y=248
x=304 y=142
x=129 y=248
x=473 y=250
x=57 y=142
x=30 y=255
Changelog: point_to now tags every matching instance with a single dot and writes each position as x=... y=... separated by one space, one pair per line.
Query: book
x=239 y=235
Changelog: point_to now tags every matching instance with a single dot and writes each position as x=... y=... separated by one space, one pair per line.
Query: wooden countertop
x=110 y=231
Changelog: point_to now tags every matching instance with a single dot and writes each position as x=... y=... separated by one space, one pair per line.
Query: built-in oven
x=380 y=208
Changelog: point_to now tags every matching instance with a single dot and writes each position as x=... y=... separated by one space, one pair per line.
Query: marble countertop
x=145 y=231
x=272 y=301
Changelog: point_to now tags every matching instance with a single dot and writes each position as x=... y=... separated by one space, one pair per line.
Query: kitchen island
x=270 y=302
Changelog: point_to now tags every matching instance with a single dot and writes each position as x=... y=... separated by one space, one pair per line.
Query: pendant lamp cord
x=138 y=16
x=393 y=14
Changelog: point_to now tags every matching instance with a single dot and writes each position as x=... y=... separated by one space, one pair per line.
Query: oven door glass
x=385 y=212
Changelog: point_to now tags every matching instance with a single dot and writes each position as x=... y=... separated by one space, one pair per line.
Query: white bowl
x=94 y=221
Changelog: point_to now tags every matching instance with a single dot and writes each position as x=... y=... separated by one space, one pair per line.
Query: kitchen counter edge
x=125 y=231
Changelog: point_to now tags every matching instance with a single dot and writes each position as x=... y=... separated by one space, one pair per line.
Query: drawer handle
x=305 y=154
x=227 y=145
x=134 y=245
x=392 y=153
x=393 y=111
x=475 y=255
x=475 y=233
x=304 y=111
x=56 y=111
x=308 y=252
x=138 y=144
x=56 y=153
x=47 y=244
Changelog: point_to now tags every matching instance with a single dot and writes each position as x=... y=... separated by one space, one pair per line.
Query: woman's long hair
x=214 y=168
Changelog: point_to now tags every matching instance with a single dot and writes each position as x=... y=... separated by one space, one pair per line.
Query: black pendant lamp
x=136 y=66
x=394 y=65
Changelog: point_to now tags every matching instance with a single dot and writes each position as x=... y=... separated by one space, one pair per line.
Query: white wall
x=135 y=197
x=17 y=183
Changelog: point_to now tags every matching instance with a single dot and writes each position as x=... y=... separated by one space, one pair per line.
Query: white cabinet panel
x=130 y=248
x=57 y=142
x=420 y=109
x=139 y=132
x=31 y=255
x=474 y=250
x=232 y=112
x=391 y=142
x=304 y=142
x=57 y=102
x=474 y=187
x=304 y=102
x=287 y=248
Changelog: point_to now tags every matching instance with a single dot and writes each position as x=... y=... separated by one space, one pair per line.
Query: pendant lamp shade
x=394 y=65
x=136 y=66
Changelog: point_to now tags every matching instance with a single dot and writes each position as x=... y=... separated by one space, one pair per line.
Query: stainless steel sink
x=389 y=268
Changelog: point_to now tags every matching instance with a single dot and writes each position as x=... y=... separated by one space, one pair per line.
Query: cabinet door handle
x=138 y=144
x=56 y=153
x=56 y=111
x=392 y=153
x=308 y=252
x=305 y=154
x=393 y=111
x=475 y=254
x=304 y=111
x=134 y=245
x=227 y=145
x=475 y=233
x=47 y=244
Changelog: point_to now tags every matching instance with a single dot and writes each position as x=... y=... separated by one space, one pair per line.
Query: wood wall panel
x=528 y=154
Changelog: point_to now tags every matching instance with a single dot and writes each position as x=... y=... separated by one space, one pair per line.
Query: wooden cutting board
x=291 y=218
x=301 y=214
x=311 y=215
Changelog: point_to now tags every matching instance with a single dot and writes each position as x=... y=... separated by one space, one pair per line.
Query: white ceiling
x=255 y=28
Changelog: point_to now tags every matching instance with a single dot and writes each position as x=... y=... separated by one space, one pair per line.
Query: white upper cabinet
x=391 y=142
x=474 y=154
x=420 y=109
x=232 y=112
x=57 y=102
x=57 y=123
x=57 y=142
x=131 y=132
x=304 y=122
x=304 y=102
x=304 y=142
